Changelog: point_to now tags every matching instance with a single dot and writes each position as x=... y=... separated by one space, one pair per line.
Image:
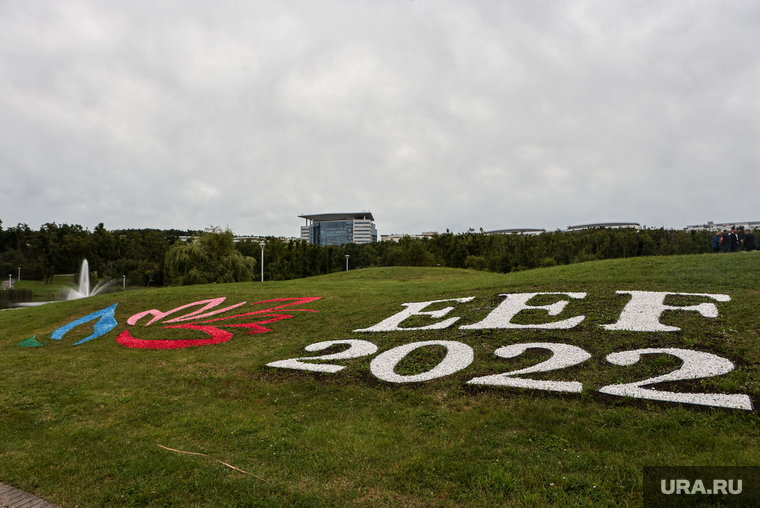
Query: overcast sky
x=430 y=114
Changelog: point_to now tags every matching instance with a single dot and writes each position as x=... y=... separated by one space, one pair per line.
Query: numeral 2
x=358 y=348
x=696 y=365
x=564 y=355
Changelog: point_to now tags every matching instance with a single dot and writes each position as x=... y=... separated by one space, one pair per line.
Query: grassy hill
x=81 y=425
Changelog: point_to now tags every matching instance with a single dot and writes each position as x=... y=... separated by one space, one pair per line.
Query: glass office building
x=339 y=228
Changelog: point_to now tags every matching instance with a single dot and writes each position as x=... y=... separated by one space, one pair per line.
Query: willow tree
x=210 y=257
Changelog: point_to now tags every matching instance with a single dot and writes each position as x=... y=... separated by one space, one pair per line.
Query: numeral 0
x=458 y=356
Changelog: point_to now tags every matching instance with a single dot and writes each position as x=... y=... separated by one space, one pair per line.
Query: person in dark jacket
x=749 y=242
x=734 y=240
x=725 y=241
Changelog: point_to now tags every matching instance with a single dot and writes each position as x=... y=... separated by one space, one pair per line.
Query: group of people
x=728 y=241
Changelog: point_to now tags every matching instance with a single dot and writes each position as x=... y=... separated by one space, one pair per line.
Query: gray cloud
x=433 y=115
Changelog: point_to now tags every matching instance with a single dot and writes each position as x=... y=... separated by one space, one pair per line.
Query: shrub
x=547 y=262
x=476 y=263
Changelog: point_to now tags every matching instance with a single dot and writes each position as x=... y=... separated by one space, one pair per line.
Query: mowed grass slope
x=81 y=426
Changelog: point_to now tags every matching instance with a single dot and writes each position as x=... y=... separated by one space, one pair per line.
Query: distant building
x=396 y=237
x=254 y=238
x=608 y=225
x=516 y=231
x=257 y=239
x=712 y=226
x=339 y=228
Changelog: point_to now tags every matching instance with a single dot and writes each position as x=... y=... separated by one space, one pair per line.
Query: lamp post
x=347 y=256
x=124 y=281
x=19 y=275
x=262 y=244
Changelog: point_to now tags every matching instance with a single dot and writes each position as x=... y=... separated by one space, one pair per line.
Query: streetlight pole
x=347 y=256
x=124 y=281
x=262 y=244
x=19 y=275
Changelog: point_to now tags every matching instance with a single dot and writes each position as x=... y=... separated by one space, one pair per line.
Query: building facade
x=517 y=231
x=339 y=228
x=717 y=226
x=395 y=237
x=607 y=225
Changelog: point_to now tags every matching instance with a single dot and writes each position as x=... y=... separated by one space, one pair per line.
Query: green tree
x=211 y=257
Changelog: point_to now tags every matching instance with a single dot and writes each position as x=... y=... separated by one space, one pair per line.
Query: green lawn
x=81 y=425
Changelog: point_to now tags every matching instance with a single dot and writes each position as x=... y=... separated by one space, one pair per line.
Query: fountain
x=82 y=286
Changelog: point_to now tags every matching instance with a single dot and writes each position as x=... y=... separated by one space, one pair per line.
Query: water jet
x=82 y=289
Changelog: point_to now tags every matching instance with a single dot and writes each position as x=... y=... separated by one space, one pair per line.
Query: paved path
x=14 y=498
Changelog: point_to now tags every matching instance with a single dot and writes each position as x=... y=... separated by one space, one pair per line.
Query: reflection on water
x=21 y=305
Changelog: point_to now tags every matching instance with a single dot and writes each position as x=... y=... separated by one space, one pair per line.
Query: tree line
x=480 y=251
x=151 y=257
x=60 y=249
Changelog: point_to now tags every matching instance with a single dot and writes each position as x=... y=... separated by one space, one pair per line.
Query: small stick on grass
x=217 y=460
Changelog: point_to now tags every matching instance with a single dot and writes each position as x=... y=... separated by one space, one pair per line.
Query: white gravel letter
x=642 y=313
x=415 y=309
x=502 y=315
